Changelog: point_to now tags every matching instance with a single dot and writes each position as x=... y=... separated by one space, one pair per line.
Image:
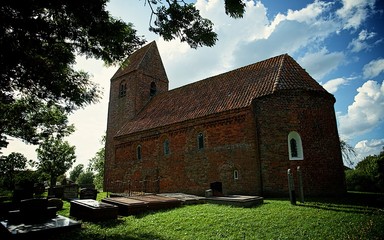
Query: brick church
x=244 y=129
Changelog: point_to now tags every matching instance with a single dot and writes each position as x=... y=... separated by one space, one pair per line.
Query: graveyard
x=90 y=214
x=29 y=215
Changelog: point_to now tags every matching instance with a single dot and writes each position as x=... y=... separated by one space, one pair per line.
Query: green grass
x=358 y=216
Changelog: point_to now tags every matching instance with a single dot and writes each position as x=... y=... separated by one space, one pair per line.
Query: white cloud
x=355 y=12
x=16 y=145
x=320 y=63
x=368 y=147
x=365 y=113
x=310 y=13
x=373 y=68
x=185 y=65
x=360 y=43
x=333 y=85
x=91 y=122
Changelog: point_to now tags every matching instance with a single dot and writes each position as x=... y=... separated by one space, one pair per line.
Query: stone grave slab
x=92 y=210
x=36 y=230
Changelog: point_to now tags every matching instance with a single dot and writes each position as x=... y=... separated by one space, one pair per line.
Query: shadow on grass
x=81 y=234
x=351 y=202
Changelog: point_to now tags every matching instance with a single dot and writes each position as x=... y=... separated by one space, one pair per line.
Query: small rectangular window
x=123 y=90
x=166 y=147
x=200 y=141
x=236 y=175
x=139 y=152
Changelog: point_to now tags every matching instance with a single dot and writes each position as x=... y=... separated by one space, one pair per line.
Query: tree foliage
x=348 y=152
x=55 y=158
x=368 y=174
x=86 y=178
x=10 y=165
x=75 y=173
x=39 y=43
x=96 y=165
x=178 y=19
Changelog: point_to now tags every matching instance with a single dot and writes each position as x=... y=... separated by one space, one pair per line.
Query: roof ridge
x=278 y=75
x=149 y=46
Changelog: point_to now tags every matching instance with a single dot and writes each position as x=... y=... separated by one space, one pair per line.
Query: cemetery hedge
x=355 y=216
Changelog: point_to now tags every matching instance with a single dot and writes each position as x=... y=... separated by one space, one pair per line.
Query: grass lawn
x=356 y=216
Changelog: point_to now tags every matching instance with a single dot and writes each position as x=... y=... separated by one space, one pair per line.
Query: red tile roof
x=228 y=91
x=144 y=59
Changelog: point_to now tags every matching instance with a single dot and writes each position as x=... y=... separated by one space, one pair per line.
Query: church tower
x=132 y=87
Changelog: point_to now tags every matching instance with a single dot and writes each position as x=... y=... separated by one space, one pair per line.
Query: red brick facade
x=244 y=117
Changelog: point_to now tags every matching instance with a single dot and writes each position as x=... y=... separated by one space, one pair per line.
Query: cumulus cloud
x=368 y=147
x=248 y=40
x=320 y=63
x=373 y=68
x=365 y=113
x=185 y=65
x=355 y=12
x=360 y=43
x=333 y=85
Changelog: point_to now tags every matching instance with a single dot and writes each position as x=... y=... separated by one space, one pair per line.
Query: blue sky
x=340 y=43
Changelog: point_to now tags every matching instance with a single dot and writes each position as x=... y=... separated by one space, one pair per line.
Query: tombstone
x=71 y=191
x=20 y=193
x=55 y=202
x=291 y=187
x=39 y=188
x=56 y=192
x=88 y=193
x=217 y=188
x=33 y=210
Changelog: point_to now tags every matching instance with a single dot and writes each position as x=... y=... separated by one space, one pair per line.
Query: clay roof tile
x=228 y=91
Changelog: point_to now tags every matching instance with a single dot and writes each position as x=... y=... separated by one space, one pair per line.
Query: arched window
x=200 y=141
x=153 y=89
x=123 y=89
x=295 y=147
x=139 y=152
x=236 y=175
x=166 y=147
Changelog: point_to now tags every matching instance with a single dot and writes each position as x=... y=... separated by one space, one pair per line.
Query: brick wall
x=122 y=109
x=230 y=144
x=312 y=115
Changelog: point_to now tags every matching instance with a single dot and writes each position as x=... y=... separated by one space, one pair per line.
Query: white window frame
x=300 y=154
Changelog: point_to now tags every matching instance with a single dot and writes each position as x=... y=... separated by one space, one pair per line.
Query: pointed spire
x=147 y=59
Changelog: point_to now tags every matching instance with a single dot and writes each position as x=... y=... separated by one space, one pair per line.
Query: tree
x=11 y=164
x=86 y=178
x=40 y=40
x=178 y=19
x=96 y=164
x=348 y=152
x=55 y=158
x=368 y=174
x=75 y=173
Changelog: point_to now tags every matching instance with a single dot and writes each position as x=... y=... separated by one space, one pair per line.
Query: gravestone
x=71 y=191
x=55 y=202
x=23 y=190
x=57 y=191
x=88 y=193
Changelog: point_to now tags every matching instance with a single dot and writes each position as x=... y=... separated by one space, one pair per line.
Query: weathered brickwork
x=229 y=145
x=244 y=116
x=311 y=115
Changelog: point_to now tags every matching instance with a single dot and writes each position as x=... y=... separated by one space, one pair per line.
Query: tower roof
x=146 y=59
x=228 y=91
